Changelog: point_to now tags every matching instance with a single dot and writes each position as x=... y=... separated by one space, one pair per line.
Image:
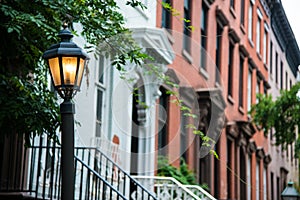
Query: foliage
x=183 y=174
x=26 y=105
x=283 y=115
x=27 y=108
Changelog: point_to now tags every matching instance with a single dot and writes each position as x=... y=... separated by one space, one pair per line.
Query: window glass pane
x=249 y=90
x=166 y=16
x=250 y=13
x=101 y=68
x=241 y=83
x=258 y=35
x=99 y=112
x=69 y=69
x=55 y=71
x=80 y=71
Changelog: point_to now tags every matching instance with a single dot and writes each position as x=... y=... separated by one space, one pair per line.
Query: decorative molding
x=260 y=153
x=188 y=96
x=232 y=129
x=212 y=117
x=155 y=42
x=243 y=50
x=266 y=84
x=251 y=148
x=221 y=17
x=233 y=35
x=246 y=128
x=267 y=159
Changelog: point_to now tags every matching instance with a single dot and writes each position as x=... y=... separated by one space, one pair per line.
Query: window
x=218 y=52
x=217 y=171
x=204 y=14
x=257 y=88
x=100 y=96
x=243 y=174
x=249 y=89
x=249 y=177
x=241 y=82
x=230 y=69
x=186 y=29
x=265 y=46
x=229 y=161
x=278 y=187
x=232 y=3
x=166 y=16
x=250 y=21
x=183 y=136
x=272 y=186
x=257 y=180
x=286 y=80
x=162 y=122
x=265 y=183
x=276 y=67
x=292 y=153
x=258 y=25
x=243 y=12
x=265 y=90
x=205 y=170
x=281 y=75
x=271 y=58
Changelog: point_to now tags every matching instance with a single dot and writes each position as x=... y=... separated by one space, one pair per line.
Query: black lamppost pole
x=66 y=62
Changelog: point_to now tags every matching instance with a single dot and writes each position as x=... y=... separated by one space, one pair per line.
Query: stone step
x=15 y=196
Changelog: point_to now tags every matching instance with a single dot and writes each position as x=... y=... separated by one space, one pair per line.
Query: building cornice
x=284 y=35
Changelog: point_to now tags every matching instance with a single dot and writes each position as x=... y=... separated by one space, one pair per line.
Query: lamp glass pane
x=69 y=69
x=55 y=71
x=80 y=71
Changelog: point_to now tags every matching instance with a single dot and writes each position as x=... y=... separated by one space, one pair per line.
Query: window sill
x=187 y=56
x=204 y=73
x=243 y=29
x=266 y=66
x=251 y=43
x=258 y=55
x=241 y=110
x=217 y=85
x=230 y=99
x=232 y=11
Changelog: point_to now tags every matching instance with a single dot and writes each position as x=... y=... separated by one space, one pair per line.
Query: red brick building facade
x=222 y=62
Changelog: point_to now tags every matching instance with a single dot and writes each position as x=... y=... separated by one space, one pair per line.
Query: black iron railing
x=96 y=175
x=113 y=173
x=93 y=186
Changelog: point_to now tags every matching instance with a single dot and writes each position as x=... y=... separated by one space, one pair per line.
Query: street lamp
x=290 y=193
x=66 y=62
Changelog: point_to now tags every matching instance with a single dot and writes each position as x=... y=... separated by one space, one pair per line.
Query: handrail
x=173 y=181
x=117 y=173
x=201 y=190
x=105 y=183
x=43 y=174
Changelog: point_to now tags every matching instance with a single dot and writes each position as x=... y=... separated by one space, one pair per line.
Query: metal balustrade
x=96 y=175
x=92 y=185
x=168 y=188
x=200 y=192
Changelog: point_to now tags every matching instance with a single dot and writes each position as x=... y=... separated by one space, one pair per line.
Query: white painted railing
x=169 y=188
x=200 y=192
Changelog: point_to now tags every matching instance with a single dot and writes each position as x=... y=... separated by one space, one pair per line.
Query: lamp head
x=66 y=62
